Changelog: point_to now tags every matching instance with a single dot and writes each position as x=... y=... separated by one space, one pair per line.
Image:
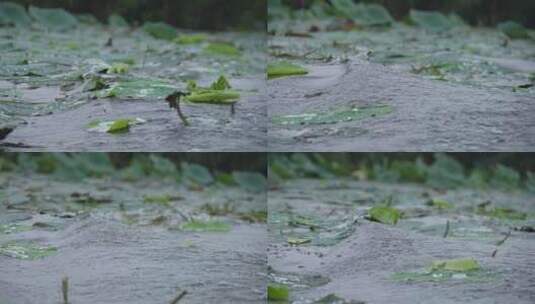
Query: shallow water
x=124 y=250
x=46 y=93
x=470 y=89
x=360 y=267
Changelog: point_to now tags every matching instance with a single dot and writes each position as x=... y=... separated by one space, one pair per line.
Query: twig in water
x=174 y=103
x=501 y=243
x=179 y=297
x=65 y=289
x=447 y=231
x=232 y=109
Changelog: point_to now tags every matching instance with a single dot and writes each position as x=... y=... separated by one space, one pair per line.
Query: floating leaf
x=13 y=14
x=298 y=241
x=440 y=203
x=278 y=292
x=190 y=39
x=54 y=18
x=160 y=30
x=13 y=228
x=333 y=116
x=283 y=69
x=197 y=173
x=118 y=68
x=334 y=299
x=429 y=20
x=164 y=199
x=205 y=226
x=214 y=97
x=456 y=265
x=221 y=48
x=26 y=250
x=363 y=14
x=114 y=127
x=138 y=89
x=218 y=93
x=513 y=30
x=503 y=213
x=250 y=181
x=385 y=215
x=117 y=21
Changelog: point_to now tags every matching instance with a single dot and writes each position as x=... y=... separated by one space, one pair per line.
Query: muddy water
x=360 y=267
x=126 y=251
x=427 y=114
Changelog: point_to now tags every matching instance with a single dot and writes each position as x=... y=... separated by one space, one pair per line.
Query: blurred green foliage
x=199 y=14
x=202 y=169
x=476 y=12
x=503 y=171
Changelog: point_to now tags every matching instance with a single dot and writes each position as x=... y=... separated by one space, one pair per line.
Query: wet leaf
x=13 y=14
x=461 y=265
x=250 y=181
x=114 y=127
x=298 y=241
x=218 y=93
x=205 y=226
x=26 y=250
x=160 y=30
x=284 y=69
x=385 y=215
x=54 y=18
x=278 y=292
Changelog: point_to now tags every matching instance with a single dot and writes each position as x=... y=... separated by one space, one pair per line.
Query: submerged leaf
x=26 y=250
x=282 y=69
x=333 y=117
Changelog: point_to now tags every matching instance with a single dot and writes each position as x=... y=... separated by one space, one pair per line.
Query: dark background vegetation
x=224 y=162
x=522 y=162
x=476 y=12
x=192 y=14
